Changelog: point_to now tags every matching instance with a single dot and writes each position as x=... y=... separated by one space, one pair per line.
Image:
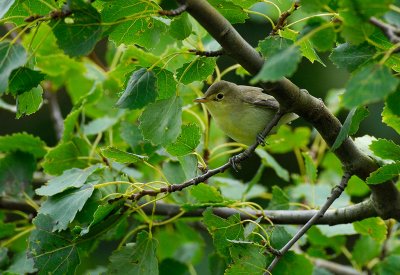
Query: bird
x=242 y=112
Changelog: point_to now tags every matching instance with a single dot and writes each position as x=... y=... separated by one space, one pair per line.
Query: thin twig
x=282 y=19
x=175 y=12
x=391 y=32
x=336 y=192
x=208 y=53
x=234 y=160
x=337 y=268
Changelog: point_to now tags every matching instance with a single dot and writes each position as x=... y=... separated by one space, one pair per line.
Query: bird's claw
x=234 y=163
x=260 y=139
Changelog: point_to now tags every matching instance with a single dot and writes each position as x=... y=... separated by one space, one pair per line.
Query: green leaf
x=280 y=200
x=232 y=12
x=52 y=253
x=66 y=156
x=140 y=90
x=121 y=156
x=370 y=84
x=79 y=32
x=391 y=112
x=186 y=142
x=72 y=178
x=12 y=56
x=384 y=173
x=161 y=121
x=204 y=193
x=189 y=166
x=323 y=36
x=5 y=6
x=23 y=142
x=63 y=207
x=23 y=9
x=281 y=64
x=29 y=102
x=373 y=227
x=6 y=230
x=166 y=84
x=385 y=149
x=16 y=173
x=136 y=259
x=311 y=6
x=142 y=29
x=21 y=265
x=351 y=57
x=311 y=169
x=247 y=259
x=170 y=264
x=293 y=264
x=223 y=230
x=269 y=161
x=181 y=27
x=23 y=79
x=286 y=139
x=198 y=70
x=390 y=265
x=357 y=187
x=69 y=124
x=273 y=44
x=99 y=125
x=365 y=249
x=350 y=125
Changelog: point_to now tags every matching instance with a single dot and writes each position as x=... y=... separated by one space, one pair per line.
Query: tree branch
x=55 y=113
x=336 y=268
x=336 y=192
x=385 y=197
x=391 y=32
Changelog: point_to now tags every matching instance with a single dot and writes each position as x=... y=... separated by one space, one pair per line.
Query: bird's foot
x=260 y=139
x=234 y=162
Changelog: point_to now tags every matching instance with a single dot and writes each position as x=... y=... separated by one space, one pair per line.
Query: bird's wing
x=261 y=100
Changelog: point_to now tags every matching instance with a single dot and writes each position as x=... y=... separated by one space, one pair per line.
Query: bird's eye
x=220 y=96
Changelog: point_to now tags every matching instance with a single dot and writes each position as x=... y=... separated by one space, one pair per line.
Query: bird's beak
x=201 y=100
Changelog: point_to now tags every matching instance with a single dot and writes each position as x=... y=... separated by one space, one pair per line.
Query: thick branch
x=385 y=197
x=342 y=215
x=16 y=205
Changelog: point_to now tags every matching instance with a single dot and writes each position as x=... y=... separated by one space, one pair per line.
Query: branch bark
x=385 y=197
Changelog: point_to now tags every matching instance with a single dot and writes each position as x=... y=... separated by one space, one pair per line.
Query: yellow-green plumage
x=241 y=111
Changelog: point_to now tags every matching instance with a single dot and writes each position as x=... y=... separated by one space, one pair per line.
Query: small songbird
x=242 y=112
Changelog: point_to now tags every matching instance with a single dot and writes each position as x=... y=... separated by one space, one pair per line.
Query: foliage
x=132 y=74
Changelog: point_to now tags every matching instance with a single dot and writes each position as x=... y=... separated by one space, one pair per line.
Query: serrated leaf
x=280 y=200
x=166 y=83
x=350 y=125
x=311 y=169
x=357 y=187
x=186 y=142
x=325 y=36
x=136 y=259
x=16 y=173
x=390 y=265
x=69 y=124
x=365 y=249
x=140 y=90
x=66 y=156
x=281 y=64
x=273 y=44
x=12 y=56
x=370 y=84
x=351 y=57
x=222 y=230
x=391 y=112
x=373 y=227
x=247 y=259
x=286 y=139
x=385 y=149
x=161 y=121
x=294 y=264
x=181 y=27
x=121 y=156
x=79 y=35
x=232 y=12
x=269 y=161
x=23 y=9
x=312 y=6
x=99 y=125
x=197 y=70
x=384 y=173
x=142 y=29
x=52 y=252
x=204 y=193
x=72 y=178
x=63 y=207
x=23 y=79
x=29 y=102
x=23 y=142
